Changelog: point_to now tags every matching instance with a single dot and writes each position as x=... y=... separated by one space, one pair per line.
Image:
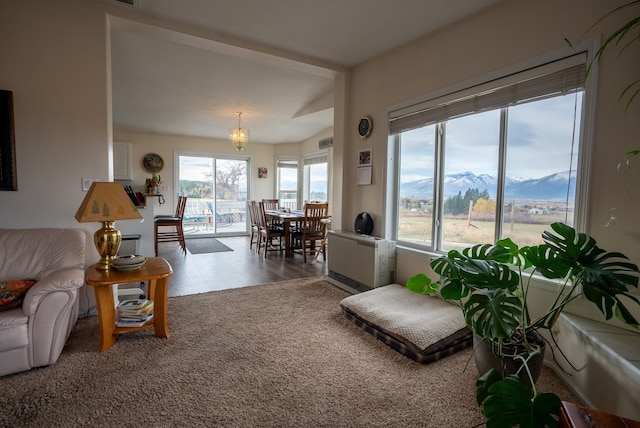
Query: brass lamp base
x=107 y=240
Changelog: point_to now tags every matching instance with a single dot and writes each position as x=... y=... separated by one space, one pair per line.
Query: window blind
x=288 y=163
x=316 y=160
x=559 y=77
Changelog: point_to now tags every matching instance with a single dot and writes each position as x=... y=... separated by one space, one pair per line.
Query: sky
x=539 y=141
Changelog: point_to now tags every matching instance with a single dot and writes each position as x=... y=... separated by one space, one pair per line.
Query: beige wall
x=55 y=63
x=502 y=36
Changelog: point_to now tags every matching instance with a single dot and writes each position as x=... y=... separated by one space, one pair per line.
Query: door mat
x=206 y=245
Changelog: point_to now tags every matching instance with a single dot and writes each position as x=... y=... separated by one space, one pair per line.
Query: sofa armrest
x=64 y=279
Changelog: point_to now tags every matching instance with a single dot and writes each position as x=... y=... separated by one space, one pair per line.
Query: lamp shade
x=106 y=201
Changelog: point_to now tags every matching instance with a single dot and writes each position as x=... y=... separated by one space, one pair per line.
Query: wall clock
x=365 y=127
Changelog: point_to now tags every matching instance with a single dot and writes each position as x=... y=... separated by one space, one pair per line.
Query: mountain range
x=549 y=188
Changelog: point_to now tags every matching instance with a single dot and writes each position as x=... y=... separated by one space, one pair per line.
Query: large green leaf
x=603 y=275
x=493 y=314
x=547 y=261
x=422 y=284
x=499 y=252
x=488 y=274
x=509 y=403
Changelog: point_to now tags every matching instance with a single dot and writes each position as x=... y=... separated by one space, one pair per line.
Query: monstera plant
x=490 y=283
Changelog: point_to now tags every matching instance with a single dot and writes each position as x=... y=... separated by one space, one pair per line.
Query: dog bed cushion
x=423 y=328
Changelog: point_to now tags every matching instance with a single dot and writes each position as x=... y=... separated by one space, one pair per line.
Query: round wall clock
x=152 y=163
x=365 y=127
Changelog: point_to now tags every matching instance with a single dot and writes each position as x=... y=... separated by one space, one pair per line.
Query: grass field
x=460 y=233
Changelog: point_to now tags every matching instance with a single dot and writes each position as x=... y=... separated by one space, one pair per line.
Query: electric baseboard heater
x=360 y=262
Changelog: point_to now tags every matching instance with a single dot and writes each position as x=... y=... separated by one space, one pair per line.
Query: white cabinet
x=122 y=167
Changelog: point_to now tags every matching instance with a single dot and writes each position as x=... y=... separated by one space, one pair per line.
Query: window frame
x=311 y=159
x=516 y=73
x=289 y=159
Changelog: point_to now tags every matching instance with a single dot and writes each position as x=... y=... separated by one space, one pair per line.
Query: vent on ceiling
x=326 y=142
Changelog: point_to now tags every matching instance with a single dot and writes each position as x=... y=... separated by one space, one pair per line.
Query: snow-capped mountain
x=551 y=187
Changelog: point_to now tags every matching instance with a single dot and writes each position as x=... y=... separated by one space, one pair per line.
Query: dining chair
x=269 y=232
x=175 y=222
x=272 y=204
x=255 y=225
x=311 y=230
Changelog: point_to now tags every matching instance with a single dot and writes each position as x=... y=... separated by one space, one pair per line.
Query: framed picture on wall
x=8 y=176
x=262 y=172
x=364 y=158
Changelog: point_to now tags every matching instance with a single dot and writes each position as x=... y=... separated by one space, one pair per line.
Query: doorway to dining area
x=216 y=188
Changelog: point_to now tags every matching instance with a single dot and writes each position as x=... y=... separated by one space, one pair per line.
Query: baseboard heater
x=360 y=262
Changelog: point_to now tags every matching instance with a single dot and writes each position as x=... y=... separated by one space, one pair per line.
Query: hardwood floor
x=199 y=273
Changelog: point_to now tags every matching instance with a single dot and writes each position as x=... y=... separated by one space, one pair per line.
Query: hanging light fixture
x=239 y=137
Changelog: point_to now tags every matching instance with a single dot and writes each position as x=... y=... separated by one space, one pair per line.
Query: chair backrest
x=182 y=204
x=271 y=204
x=253 y=214
x=313 y=213
x=261 y=219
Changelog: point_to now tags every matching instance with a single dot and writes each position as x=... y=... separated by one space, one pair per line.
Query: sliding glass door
x=217 y=194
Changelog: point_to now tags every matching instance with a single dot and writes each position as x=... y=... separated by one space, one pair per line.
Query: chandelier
x=239 y=137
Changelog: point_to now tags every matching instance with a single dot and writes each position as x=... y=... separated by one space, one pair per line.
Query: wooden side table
x=157 y=271
x=575 y=416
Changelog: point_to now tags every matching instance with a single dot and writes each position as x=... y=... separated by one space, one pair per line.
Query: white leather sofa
x=33 y=335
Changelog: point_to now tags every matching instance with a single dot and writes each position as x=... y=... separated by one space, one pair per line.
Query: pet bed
x=423 y=328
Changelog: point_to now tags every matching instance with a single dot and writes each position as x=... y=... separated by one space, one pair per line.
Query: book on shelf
x=135 y=305
x=134 y=312
x=125 y=322
x=137 y=313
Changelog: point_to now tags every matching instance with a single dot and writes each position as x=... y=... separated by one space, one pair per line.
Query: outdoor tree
x=484 y=207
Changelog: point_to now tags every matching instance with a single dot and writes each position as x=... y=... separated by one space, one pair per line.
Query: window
x=316 y=178
x=500 y=159
x=287 y=182
x=217 y=194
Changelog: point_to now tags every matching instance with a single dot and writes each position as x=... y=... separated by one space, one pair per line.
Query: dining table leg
x=288 y=249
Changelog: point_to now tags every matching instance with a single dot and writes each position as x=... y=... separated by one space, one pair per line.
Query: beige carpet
x=274 y=355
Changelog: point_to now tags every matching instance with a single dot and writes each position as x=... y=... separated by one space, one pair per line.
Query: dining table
x=286 y=217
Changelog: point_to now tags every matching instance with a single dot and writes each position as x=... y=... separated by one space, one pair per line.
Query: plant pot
x=486 y=359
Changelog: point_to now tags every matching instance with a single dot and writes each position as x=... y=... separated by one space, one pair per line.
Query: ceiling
x=275 y=61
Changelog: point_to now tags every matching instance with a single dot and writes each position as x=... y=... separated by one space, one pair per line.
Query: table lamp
x=106 y=202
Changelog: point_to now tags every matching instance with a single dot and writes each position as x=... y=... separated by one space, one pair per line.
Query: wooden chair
x=175 y=235
x=269 y=232
x=311 y=230
x=271 y=204
x=255 y=225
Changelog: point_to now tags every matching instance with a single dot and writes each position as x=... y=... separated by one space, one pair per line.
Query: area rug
x=273 y=355
x=205 y=245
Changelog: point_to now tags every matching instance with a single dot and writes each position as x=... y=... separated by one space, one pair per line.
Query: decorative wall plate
x=365 y=126
x=152 y=162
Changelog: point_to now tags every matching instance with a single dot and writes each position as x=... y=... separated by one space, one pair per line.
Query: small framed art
x=364 y=158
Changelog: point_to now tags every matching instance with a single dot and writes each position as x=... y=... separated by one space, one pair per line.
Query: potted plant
x=490 y=283
x=152 y=184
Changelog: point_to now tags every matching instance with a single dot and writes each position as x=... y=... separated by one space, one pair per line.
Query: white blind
x=559 y=77
x=316 y=160
x=287 y=163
